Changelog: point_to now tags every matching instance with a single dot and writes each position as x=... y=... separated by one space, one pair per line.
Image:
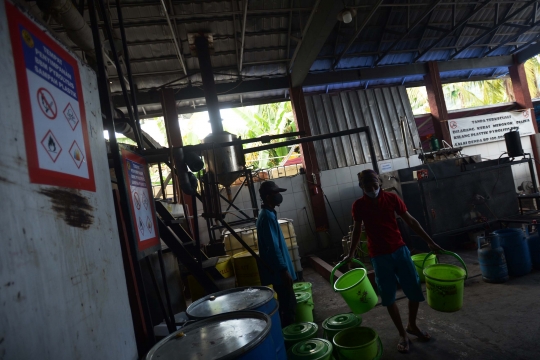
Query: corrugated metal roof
x=268 y=47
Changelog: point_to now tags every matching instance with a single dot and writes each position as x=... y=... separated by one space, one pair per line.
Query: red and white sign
x=141 y=203
x=51 y=146
x=76 y=154
x=48 y=81
x=46 y=103
x=71 y=116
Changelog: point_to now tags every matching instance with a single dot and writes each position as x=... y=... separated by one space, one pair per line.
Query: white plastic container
x=249 y=235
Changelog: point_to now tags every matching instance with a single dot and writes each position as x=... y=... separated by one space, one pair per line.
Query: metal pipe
x=109 y=33
x=315 y=7
x=153 y=154
x=170 y=326
x=233 y=5
x=196 y=231
x=163 y=192
x=66 y=14
x=178 y=52
x=166 y=287
x=132 y=88
x=246 y=246
x=306 y=139
x=212 y=103
x=103 y=84
x=243 y=36
x=372 y=151
x=234 y=206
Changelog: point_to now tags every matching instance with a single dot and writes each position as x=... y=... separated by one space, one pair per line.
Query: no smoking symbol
x=46 y=103
x=453 y=124
x=137 y=200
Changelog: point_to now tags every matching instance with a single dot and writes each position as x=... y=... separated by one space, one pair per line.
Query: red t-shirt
x=380 y=222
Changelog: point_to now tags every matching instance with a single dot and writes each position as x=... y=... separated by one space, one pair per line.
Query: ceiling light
x=346 y=15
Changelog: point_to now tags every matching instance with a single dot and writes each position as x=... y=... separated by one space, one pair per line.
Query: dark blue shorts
x=397 y=266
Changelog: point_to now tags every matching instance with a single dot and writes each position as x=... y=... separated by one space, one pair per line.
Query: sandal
x=421 y=335
x=404 y=344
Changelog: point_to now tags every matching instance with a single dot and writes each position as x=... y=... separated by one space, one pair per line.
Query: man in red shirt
x=389 y=255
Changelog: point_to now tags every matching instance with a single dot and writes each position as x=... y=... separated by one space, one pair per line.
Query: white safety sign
x=143 y=213
x=52 y=106
x=483 y=129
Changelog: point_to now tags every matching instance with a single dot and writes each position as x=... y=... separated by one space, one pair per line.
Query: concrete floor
x=497 y=321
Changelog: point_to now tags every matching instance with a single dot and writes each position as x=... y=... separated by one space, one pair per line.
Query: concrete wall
x=62 y=288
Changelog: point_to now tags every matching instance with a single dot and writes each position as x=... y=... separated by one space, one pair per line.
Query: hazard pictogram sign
x=51 y=146
x=46 y=103
x=76 y=154
x=71 y=116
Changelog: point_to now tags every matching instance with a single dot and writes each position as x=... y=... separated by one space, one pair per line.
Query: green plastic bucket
x=304 y=307
x=336 y=323
x=355 y=288
x=418 y=260
x=299 y=332
x=444 y=285
x=312 y=349
x=358 y=343
x=302 y=286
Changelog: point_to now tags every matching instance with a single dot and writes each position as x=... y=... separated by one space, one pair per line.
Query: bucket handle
x=340 y=265
x=380 y=351
x=452 y=254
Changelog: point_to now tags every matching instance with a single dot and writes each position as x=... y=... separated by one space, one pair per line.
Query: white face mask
x=373 y=194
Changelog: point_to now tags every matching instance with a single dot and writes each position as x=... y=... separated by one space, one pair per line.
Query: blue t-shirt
x=272 y=248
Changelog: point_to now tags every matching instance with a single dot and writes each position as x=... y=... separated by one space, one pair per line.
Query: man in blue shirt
x=273 y=251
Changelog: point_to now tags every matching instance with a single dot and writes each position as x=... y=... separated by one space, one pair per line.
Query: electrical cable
x=309 y=222
x=332 y=210
x=498 y=172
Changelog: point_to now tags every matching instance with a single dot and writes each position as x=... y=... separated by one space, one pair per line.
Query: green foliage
x=478 y=93
x=267 y=119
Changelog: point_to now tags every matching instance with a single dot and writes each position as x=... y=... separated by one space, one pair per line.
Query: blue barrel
x=241 y=335
x=258 y=298
x=516 y=251
x=492 y=261
x=534 y=246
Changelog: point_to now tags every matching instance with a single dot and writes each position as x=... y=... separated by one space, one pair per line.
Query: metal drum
x=241 y=335
x=516 y=251
x=492 y=260
x=534 y=246
x=259 y=298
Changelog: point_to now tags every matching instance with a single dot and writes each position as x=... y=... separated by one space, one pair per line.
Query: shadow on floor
x=497 y=321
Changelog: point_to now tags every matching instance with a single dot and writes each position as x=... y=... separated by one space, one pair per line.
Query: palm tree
x=532 y=69
x=267 y=119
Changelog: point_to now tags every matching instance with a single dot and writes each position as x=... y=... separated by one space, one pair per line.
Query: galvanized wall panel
x=356 y=145
x=378 y=125
x=382 y=110
x=410 y=117
x=314 y=126
x=365 y=112
x=342 y=125
x=332 y=127
x=324 y=129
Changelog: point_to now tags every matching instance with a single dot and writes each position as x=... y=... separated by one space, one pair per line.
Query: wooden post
x=309 y=160
x=439 y=114
x=174 y=137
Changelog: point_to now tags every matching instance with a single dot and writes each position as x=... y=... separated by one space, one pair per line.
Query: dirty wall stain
x=71 y=206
